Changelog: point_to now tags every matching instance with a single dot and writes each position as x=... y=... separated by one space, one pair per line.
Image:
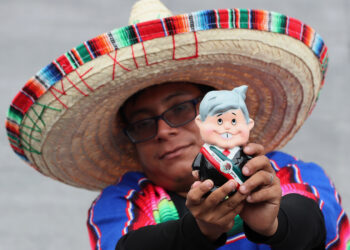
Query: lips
x=172 y=153
x=226 y=135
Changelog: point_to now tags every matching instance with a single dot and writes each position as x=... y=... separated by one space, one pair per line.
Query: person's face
x=226 y=130
x=167 y=158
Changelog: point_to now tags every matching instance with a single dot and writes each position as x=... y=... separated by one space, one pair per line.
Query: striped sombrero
x=63 y=121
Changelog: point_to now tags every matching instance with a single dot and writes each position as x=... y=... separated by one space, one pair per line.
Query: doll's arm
x=197 y=162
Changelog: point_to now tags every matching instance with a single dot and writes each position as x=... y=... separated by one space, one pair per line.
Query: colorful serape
x=135 y=202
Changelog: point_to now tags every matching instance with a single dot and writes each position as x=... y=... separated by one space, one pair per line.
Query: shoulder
x=280 y=160
x=310 y=180
x=292 y=170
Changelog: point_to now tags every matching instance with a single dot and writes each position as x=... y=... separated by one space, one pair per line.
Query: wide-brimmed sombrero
x=63 y=121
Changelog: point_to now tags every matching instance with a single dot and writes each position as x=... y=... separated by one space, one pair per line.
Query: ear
x=251 y=124
x=198 y=120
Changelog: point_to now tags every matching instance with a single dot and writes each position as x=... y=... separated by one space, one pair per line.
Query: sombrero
x=64 y=121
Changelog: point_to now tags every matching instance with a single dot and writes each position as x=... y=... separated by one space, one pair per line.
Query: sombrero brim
x=64 y=120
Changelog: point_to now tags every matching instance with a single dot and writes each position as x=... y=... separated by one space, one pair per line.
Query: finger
x=272 y=194
x=195 y=184
x=259 y=179
x=195 y=174
x=253 y=149
x=198 y=189
x=219 y=194
x=256 y=164
x=233 y=203
x=228 y=220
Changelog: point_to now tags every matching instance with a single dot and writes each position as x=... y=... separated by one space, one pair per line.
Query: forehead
x=155 y=96
x=226 y=114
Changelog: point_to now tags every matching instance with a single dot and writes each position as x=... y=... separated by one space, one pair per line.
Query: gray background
x=39 y=213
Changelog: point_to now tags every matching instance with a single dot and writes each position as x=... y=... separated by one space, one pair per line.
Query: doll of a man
x=224 y=126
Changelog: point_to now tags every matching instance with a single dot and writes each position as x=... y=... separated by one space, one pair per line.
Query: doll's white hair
x=220 y=101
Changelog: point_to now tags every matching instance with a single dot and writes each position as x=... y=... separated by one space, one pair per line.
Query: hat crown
x=146 y=10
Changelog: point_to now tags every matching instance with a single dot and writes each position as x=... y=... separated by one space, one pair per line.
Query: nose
x=164 y=130
x=227 y=125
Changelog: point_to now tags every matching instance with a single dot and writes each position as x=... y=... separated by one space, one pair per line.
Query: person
x=117 y=112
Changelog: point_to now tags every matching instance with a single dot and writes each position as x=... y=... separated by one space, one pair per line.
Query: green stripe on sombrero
x=244 y=18
x=15 y=115
x=231 y=19
x=73 y=63
x=278 y=23
x=124 y=36
x=84 y=53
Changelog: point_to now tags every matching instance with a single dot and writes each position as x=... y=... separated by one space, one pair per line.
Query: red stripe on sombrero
x=237 y=17
x=34 y=88
x=77 y=56
x=181 y=24
x=208 y=156
x=13 y=137
x=224 y=18
x=65 y=64
x=12 y=127
x=308 y=35
x=150 y=30
x=323 y=54
x=22 y=102
x=294 y=28
x=260 y=20
x=101 y=45
x=18 y=150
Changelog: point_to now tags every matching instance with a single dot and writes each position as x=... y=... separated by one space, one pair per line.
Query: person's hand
x=214 y=214
x=262 y=190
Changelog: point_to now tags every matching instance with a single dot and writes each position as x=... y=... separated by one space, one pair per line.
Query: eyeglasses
x=176 y=116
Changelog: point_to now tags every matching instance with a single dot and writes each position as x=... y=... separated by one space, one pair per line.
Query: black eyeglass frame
x=194 y=101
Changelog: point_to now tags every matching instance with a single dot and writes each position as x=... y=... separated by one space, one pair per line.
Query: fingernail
x=242 y=188
x=249 y=198
x=247 y=148
x=232 y=185
x=195 y=184
x=245 y=171
x=208 y=183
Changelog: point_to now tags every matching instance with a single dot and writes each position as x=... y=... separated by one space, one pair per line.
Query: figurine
x=224 y=126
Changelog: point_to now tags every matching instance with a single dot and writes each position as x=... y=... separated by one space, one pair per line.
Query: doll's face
x=226 y=130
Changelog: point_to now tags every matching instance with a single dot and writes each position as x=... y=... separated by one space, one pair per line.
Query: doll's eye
x=233 y=121
x=220 y=121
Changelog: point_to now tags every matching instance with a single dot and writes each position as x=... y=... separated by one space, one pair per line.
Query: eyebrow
x=176 y=94
x=167 y=99
x=219 y=114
